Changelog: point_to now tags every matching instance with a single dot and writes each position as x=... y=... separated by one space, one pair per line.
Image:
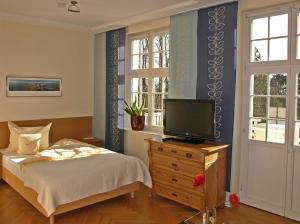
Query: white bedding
x=61 y=182
x=10 y=162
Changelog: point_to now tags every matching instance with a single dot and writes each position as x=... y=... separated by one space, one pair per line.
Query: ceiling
x=95 y=14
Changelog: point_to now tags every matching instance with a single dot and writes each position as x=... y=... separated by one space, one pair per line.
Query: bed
x=72 y=174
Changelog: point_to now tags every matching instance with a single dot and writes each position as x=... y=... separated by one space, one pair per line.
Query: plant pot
x=137 y=122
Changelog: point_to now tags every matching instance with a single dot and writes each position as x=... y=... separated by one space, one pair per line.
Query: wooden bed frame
x=31 y=196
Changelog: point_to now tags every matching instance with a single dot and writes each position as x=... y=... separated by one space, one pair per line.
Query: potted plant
x=137 y=114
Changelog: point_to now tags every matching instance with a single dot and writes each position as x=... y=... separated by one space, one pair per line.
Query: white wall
x=135 y=144
x=41 y=51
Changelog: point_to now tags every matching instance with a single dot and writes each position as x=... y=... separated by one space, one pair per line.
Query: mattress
x=10 y=161
x=77 y=176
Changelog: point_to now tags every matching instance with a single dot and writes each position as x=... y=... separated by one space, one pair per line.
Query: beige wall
x=244 y=5
x=41 y=51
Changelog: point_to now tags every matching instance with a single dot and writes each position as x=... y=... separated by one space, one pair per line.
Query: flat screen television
x=192 y=120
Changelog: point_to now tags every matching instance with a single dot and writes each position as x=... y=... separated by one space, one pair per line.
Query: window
x=268 y=107
x=148 y=74
x=269 y=38
x=273 y=69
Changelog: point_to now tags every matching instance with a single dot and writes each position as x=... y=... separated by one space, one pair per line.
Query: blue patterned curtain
x=115 y=91
x=216 y=67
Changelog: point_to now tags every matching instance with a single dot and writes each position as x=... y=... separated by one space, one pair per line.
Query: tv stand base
x=185 y=140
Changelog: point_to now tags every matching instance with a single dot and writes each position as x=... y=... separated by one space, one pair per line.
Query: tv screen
x=189 y=118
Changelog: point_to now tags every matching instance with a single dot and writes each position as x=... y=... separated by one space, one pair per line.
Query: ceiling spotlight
x=73 y=7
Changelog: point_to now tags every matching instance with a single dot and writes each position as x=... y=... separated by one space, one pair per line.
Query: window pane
x=139 y=85
x=278 y=84
x=157 y=118
x=167 y=42
x=259 y=107
x=158 y=42
x=297 y=134
x=258 y=129
x=259 y=28
x=279 y=25
x=135 y=62
x=278 y=49
x=260 y=84
x=134 y=96
x=166 y=59
x=298 y=109
x=259 y=50
x=139 y=98
x=135 y=85
x=144 y=61
x=157 y=84
x=158 y=60
x=157 y=101
x=298 y=23
x=166 y=85
x=146 y=113
x=145 y=97
x=161 y=43
x=143 y=85
x=144 y=46
x=276 y=131
x=135 y=47
x=277 y=107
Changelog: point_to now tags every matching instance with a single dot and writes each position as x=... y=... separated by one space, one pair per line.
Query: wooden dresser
x=173 y=166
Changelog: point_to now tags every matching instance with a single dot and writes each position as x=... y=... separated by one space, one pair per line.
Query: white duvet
x=85 y=172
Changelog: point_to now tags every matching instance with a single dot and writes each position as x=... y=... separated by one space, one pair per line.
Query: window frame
x=149 y=73
x=268 y=67
x=248 y=17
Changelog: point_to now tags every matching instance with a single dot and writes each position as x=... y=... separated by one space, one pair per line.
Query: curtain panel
x=217 y=67
x=183 y=55
x=115 y=91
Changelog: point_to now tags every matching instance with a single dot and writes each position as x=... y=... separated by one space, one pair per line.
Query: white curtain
x=99 y=85
x=183 y=55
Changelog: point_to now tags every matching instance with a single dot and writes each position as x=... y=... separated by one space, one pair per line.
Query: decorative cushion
x=15 y=131
x=29 y=143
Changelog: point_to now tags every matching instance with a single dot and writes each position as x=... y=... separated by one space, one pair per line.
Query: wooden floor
x=124 y=210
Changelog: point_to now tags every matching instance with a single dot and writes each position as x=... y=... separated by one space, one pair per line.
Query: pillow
x=15 y=131
x=45 y=136
x=29 y=143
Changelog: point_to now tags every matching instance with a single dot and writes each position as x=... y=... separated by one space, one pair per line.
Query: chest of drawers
x=173 y=166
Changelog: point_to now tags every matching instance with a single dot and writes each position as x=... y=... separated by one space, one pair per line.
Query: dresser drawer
x=180 y=196
x=179 y=152
x=177 y=166
x=177 y=181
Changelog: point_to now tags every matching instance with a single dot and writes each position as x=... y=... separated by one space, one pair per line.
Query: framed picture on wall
x=17 y=86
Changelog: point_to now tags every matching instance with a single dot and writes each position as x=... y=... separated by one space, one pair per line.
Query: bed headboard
x=74 y=127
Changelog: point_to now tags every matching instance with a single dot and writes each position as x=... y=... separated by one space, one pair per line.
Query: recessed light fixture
x=73 y=7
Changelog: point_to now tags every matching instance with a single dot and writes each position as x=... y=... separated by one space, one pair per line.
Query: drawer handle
x=173 y=151
x=174 y=180
x=160 y=149
x=174 y=164
x=188 y=155
x=175 y=195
